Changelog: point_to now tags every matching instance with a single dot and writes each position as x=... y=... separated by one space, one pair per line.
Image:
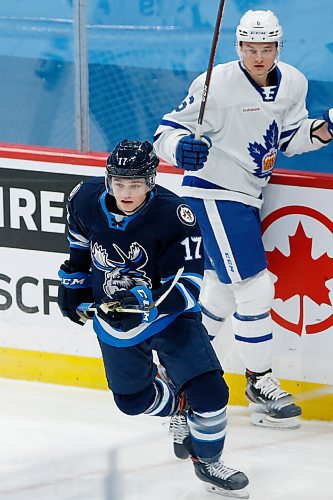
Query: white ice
x=62 y=443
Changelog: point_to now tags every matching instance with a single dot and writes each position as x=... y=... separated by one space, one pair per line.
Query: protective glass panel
x=37 y=79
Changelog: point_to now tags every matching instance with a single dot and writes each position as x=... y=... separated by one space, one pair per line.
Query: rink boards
x=37 y=343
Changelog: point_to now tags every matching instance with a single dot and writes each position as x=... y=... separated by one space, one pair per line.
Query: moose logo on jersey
x=125 y=274
x=265 y=155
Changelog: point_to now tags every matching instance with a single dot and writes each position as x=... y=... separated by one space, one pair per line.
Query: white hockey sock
x=212 y=323
x=254 y=340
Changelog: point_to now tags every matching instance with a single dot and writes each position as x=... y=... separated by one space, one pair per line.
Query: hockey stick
x=114 y=305
x=209 y=70
x=138 y=309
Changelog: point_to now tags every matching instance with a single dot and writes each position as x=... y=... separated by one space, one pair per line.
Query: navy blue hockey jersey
x=146 y=248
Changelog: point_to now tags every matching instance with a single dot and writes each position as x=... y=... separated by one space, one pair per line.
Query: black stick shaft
x=209 y=69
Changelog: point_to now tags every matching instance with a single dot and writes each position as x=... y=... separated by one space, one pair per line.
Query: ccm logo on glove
x=73 y=282
x=75 y=288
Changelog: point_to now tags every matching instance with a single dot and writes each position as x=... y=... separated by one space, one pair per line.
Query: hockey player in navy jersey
x=255 y=107
x=135 y=246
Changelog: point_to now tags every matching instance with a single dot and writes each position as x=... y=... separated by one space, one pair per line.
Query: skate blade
x=243 y=493
x=265 y=420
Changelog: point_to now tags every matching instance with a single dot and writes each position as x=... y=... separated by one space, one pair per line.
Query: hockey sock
x=212 y=322
x=208 y=432
x=166 y=400
x=252 y=374
x=254 y=338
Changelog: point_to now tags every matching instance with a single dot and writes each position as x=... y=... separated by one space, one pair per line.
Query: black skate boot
x=270 y=405
x=178 y=422
x=180 y=429
x=220 y=479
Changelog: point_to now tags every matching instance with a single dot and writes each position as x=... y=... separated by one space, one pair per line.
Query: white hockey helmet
x=259 y=26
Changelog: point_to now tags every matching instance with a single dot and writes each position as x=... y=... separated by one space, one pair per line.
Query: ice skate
x=270 y=405
x=178 y=422
x=180 y=430
x=221 y=480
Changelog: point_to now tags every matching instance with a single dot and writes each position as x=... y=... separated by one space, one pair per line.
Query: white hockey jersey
x=247 y=124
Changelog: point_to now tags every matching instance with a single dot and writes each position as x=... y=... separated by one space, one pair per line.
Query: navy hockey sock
x=207 y=432
x=166 y=400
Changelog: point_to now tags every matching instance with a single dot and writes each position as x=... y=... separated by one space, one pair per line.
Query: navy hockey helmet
x=132 y=160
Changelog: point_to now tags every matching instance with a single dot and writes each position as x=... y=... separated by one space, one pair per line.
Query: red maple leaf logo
x=300 y=274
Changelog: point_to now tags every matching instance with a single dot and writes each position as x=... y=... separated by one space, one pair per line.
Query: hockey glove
x=191 y=154
x=75 y=288
x=328 y=117
x=137 y=297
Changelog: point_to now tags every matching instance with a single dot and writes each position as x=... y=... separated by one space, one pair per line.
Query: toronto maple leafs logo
x=264 y=156
x=125 y=274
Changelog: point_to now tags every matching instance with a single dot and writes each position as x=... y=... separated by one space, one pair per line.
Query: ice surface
x=63 y=443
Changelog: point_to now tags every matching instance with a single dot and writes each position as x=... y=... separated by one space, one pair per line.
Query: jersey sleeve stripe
x=189 y=300
x=77 y=244
x=286 y=138
x=156 y=136
x=193 y=279
x=175 y=125
x=78 y=236
x=287 y=133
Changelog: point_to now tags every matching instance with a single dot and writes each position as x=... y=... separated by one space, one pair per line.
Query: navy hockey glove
x=75 y=288
x=328 y=117
x=191 y=154
x=139 y=296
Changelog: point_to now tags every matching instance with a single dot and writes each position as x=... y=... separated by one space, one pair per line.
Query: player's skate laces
x=220 y=479
x=271 y=406
x=180 y=429
x=178 y=422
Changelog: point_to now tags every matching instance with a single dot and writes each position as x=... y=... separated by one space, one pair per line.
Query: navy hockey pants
x=183 y=348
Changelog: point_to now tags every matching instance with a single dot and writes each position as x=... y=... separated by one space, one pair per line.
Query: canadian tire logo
x=299 y=249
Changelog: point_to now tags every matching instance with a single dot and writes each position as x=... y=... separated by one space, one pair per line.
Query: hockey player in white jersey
x=255 y=107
